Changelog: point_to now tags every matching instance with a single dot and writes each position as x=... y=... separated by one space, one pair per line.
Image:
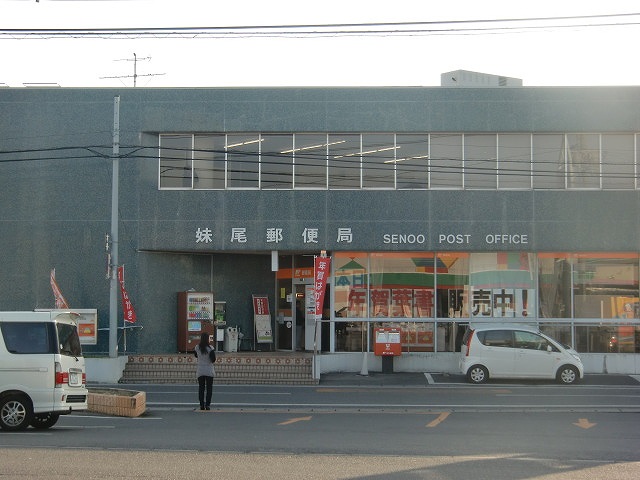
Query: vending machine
x=195 y=316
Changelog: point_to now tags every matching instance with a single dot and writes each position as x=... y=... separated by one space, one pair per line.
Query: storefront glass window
x=175 y=161
x=208 y=162
x=606 y=286
x=583 y=161
x=350 y=270
x=276 y=162
x=560 y=332
x=452 y=271
x=607 y=338
x=480 y=161
x=243 y=160
x=514 y=161
x=310 y=161
x=412 y=161
x=554 y=285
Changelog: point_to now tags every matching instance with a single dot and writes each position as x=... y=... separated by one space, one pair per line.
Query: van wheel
x=477 y=374
x=15 y=412
x=45 y=420
x=567 y=374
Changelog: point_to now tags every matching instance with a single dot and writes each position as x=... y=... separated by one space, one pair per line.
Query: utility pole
x=113 y=286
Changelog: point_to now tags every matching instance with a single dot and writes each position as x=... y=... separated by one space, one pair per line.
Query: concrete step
x=231 y=368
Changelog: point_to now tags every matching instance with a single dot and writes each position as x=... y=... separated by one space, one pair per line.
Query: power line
x=332 y=29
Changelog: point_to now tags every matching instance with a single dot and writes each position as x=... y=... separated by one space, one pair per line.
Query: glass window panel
x=502 y=285
x=583 y=161
x=276 y=161
x=554 y=285
x=378 y=158
x=445 y=164
x=480 y=161
x=557 y=331
x=175 y=161
x=243 y=154
x=618 y=162
x=606 y=287
x=350 y=270
x=310 y=160
x=607 y=338
x=344 y=161
x=548 y=161
x=412 y=161
x=208 y=162
x=514 y=161
x=452 y=273
x=401 y=285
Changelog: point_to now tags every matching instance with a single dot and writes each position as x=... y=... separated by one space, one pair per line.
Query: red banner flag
x=127 y=307
x=61 y=303
x=321 y=271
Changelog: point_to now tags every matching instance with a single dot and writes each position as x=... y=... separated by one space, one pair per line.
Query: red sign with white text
x=321 y=272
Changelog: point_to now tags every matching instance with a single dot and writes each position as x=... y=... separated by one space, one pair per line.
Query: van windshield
x=69 y=340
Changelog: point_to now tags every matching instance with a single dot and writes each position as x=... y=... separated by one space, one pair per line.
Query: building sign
x=262 y=319
x=344 y=237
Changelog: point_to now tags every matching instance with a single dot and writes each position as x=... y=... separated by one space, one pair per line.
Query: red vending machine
x=195 y=316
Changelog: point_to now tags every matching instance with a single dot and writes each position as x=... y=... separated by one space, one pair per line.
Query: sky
x=568 y=52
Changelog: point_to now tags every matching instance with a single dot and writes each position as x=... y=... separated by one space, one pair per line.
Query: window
x=514 y=161
x=480 y=161
x=28 y=338
x=243 y=160
x=378 y=160
x=208 y=162
x=412 y=161
x=175 y=161
x=276 y=162
x=344 y=161
x=548 y=161
x=583 y=161
x=310 y=160
x=496 y=338
x=445 y=170
x=617 y=162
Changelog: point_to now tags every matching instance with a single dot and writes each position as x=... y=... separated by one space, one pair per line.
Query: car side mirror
x=549 y=348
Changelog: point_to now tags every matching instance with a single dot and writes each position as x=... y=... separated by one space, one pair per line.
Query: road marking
x=635 y=377
x=294 y=420
x=429 y=378
x=441 y=418
x=584 y=423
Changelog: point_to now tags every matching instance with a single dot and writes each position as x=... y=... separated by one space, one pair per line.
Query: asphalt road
x=383 y=426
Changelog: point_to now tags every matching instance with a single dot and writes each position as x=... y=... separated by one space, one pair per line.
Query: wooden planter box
x=114 y=401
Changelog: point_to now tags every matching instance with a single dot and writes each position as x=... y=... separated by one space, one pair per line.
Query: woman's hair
x=204 y=342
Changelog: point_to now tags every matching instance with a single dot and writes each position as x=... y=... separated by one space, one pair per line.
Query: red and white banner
x=127 y=307
x=262 y=319
x=61 y=303
x=321 y=272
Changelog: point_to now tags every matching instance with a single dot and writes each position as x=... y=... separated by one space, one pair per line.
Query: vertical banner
x=321 y=271
x=61 y=303
x=262 y=319
x=127 y=308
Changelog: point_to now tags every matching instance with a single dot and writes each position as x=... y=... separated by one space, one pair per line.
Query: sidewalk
x=374 y=379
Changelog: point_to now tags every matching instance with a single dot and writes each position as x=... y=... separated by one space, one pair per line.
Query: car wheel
x=15 y=412
x=44 y=420
x=477 y=374
x=567 y=374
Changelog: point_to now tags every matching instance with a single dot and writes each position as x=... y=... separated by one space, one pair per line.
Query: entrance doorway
x=294 y=282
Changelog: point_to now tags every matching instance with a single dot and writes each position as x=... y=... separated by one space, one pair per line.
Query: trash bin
x=231 y=339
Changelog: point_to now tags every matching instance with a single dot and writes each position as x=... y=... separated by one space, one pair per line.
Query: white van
x=42 y=370
x=516 y=351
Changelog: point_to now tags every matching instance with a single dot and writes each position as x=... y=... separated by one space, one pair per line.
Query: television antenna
x=135 y=75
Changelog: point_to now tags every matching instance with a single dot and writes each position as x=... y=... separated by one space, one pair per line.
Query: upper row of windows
x=399 y=161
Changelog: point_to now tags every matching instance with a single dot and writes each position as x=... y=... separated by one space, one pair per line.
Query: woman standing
x=206 y=356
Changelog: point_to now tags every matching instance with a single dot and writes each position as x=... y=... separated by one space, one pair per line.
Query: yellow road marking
x=294 y=420
x=584 y=423
x=441 y=418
